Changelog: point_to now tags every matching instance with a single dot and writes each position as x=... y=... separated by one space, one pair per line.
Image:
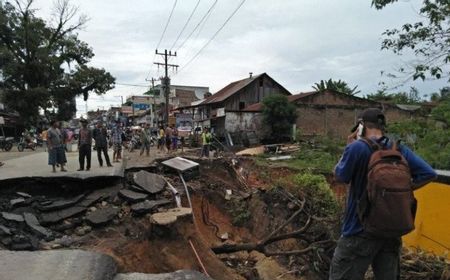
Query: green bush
x=318 y=193
x=238 y=210
x=427 y=139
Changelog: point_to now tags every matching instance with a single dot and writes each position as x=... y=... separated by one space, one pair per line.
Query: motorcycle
x=6 y=143
x=134 y=143
x=26 y=143
x=39 y=141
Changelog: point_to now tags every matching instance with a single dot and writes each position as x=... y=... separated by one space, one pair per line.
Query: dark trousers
x=354 y=254
x=85 y=153
x=105 y=153
x=205 y=151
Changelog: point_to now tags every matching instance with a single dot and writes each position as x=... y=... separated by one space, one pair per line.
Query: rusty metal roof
x=229 y=90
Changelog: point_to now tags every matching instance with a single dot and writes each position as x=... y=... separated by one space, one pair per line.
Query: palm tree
x=339 y=86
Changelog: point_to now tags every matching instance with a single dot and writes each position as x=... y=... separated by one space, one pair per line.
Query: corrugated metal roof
x=408 y=107
x=229 y=90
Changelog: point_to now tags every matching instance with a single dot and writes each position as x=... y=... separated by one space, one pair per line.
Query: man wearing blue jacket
x=356 y=249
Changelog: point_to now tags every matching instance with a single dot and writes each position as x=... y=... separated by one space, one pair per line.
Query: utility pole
x=153 y=106
x=166 y=80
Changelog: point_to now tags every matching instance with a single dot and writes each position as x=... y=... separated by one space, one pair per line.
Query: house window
x=261 y=82
x=241 y=105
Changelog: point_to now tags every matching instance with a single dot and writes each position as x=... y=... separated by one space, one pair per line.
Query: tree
x=411 y=97
x=442 y=113
x=279 y=114
x=442 y=95
x=429 y=40
x=339 y=86
x=44 y=64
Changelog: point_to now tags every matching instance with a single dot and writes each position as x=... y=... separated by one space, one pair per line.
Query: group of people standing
x=56 y=140
x=100 y=136
x=168 y=138
x=56 y=145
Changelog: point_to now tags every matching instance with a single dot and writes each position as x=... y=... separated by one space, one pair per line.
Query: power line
x=130 y=85
x=198 y=24
x=162 y=35
x=167 y=24
x=185 y=25
x=202 y=26
x=214 y=36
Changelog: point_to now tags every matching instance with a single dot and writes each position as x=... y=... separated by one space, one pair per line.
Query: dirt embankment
x=247 y=215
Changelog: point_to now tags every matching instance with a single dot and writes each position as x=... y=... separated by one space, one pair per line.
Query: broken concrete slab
x=136 y=188
x=57 y=216
x=6 y=241
x=80 y=207
x=92 y=198
x=102 y=216
x=17 y=202
x=150 y=182
x=180 y=164
x=171 y=216
x=177 y=275
x=60 y=204
x=33 y=223
x=80 y=231
x=21 y=246
x=24 y=195
x=12 y=217
x=5 y=230
x=148 y=205
x=132 y=196
x=56 y=264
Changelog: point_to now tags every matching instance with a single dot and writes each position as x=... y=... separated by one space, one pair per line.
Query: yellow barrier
x=432 y=222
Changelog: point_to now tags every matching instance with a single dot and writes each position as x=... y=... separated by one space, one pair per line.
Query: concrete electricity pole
x=153 y=107
x=165 y=81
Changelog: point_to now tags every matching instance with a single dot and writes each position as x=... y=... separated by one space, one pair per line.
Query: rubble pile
x=27 y=221
x=418 y=265
x=287 y=230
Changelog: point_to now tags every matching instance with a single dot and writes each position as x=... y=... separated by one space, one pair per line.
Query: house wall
x=182 y=98
x=320 y=120
x=244 y=121
x=334 y=114
x=394 y=114
x=255 y=92
x=333 y=98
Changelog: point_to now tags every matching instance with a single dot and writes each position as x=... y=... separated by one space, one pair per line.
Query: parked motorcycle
x=134 y=143
x=6 y=143
x=26 y=143
x=39 y=141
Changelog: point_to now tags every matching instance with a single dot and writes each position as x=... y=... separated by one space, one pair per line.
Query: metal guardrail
x=443 y=176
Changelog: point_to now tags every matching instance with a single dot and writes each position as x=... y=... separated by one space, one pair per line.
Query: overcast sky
x=297 y=42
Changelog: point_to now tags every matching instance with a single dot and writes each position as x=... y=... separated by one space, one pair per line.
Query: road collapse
x=242 y=225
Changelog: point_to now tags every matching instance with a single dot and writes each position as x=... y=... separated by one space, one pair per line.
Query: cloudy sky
x=297 y=42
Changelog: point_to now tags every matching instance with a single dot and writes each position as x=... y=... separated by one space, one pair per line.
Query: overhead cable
x=214 y=36
x=198 y=24
x=167 y=24
x=185 y=25
x=162 y=36
x=130 y=85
